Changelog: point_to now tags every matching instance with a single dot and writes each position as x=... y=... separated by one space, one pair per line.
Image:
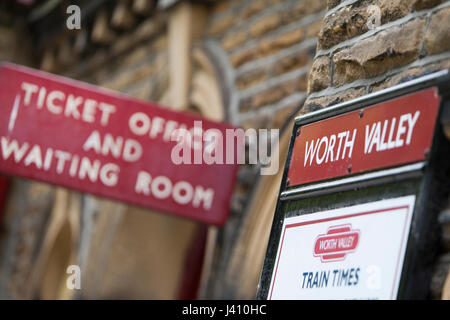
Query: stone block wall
x=353 y=60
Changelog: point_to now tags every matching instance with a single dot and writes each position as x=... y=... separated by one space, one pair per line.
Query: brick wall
x=352 y=60
x=11 y=49
x=269 y=46
x=141 y=73
x=135 y=64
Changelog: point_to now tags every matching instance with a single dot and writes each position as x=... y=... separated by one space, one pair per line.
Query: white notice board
x=354 y=252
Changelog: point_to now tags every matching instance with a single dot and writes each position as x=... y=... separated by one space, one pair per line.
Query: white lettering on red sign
x=376 y=135
x=390 y=133
x=379 y=136
x=69 y=105
x=87 y=138
x=323 y=149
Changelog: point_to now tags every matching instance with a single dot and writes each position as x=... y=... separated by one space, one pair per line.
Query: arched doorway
x=142 y=252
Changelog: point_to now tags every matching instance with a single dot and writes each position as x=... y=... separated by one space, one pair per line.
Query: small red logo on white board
x=336 y=243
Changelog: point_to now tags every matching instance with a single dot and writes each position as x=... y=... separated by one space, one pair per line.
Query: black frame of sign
x=429 y=180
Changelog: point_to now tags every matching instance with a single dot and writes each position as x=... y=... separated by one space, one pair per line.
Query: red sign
x=336 y=243
x=391 y=133
x=94 y=140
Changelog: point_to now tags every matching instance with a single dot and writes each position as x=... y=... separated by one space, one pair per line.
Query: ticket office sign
x=354 y=252
x=80 y=136
x=387 y=134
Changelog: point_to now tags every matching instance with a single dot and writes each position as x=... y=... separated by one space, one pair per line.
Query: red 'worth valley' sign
x=94 y=140
x=336 y=243
x=391 y=133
